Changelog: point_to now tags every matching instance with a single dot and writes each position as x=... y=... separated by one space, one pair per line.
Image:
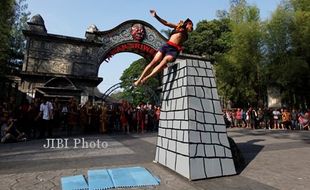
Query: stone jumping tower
x=192 y=138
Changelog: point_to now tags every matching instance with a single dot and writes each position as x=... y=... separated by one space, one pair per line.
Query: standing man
x=46 y=114
x=286 y=119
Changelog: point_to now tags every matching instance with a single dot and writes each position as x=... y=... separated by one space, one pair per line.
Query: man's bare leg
x=158 y=56
x=158 y=68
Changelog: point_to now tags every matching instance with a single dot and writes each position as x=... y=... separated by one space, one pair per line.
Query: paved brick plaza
x=275 y=160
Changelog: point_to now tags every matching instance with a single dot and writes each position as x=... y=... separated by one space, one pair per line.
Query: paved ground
x=275 y=160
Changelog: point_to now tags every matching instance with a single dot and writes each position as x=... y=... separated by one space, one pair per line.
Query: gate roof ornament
x=92 y=28
x=36 y=24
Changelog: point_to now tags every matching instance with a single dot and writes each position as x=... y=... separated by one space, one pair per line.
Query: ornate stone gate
x=78 y=60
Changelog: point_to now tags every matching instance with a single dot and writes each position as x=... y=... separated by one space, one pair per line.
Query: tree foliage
x=13 y=19
x=6 y=13
x=287 y=51
x=301 y=29
x=210 y=38
x=17 y=39
x=144 y=93
x=238 y=71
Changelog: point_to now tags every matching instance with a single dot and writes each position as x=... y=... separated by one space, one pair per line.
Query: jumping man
x=169 y=51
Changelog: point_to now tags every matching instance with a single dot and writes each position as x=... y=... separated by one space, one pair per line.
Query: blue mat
x=99 y=179
x=132 y=177
x=74 y=182
x=110 y=178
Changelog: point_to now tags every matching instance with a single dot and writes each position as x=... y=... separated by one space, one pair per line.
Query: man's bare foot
x=143 y=81
x=136 y=83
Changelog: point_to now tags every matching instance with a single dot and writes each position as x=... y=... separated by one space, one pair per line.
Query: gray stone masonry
x=192 y=138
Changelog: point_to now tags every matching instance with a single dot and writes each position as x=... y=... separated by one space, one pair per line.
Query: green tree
x=287 y=38
x=6 y=13
x=301 y=50
x=17 y=39
x=144 y=93
x=239 y=71
x=278 y=46
x=210 y=38
x=13 y=19
x=117 y=95
x=301 y=29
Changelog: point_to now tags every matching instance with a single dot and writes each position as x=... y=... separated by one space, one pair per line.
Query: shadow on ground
x=244 y=153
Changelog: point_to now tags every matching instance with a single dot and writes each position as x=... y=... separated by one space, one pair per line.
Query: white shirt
x=46 y=109
x=276 y=114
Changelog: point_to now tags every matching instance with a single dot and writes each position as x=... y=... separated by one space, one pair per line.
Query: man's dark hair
x=187 y=21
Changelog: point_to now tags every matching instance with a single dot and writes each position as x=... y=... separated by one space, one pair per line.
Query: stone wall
x=60 y=56
x=192 y=137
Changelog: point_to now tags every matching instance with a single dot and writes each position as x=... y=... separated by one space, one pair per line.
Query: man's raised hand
x=153 y=13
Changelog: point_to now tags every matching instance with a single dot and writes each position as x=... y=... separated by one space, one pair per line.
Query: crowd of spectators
x=46 y=118
x=268 y=118
x=42 y=118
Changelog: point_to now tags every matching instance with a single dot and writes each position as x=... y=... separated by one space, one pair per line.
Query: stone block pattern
x=192 y=138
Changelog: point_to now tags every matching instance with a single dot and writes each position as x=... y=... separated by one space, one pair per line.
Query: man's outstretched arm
x=164 y=22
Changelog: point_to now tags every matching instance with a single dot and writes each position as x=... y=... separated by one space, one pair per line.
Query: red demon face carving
x=137 y=32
